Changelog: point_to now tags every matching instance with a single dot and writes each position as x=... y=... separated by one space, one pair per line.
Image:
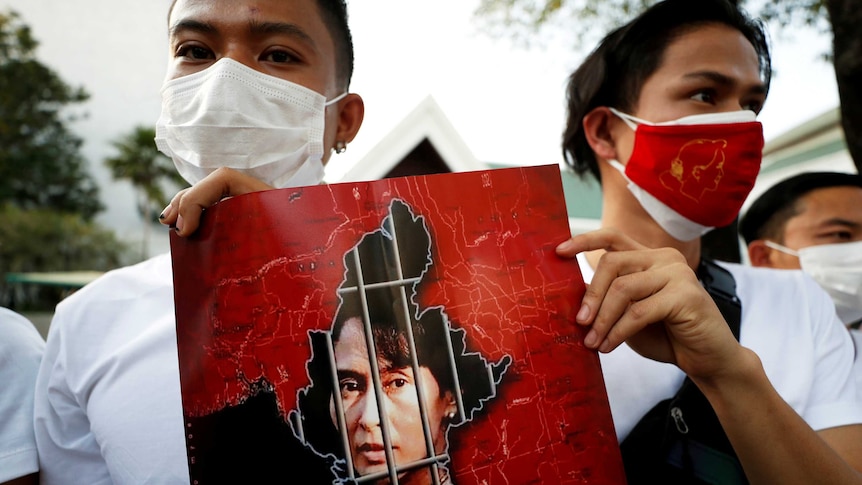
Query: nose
x=733 y=104
x=242 y=55
x=369 y=417
x=729 y=105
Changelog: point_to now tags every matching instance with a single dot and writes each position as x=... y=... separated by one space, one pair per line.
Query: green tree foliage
x=40 y=162
x=39 y=240
x=523 y=19
x=141 y=163
x=47 y=197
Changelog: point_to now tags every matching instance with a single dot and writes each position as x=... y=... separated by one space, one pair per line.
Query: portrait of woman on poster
x=399 y=434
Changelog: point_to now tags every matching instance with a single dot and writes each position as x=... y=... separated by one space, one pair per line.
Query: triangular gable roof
x=426 y=122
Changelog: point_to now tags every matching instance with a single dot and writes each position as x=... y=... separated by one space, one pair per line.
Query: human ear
x=758 y=253
x=597 y=130
x=351 y=112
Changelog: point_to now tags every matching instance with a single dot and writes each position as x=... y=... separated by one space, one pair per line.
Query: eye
x=395 y=383
x=704 y=96
x=840 y=236
x=280 y=56
x=753 y=105
x=349 y=386
x=195 y=52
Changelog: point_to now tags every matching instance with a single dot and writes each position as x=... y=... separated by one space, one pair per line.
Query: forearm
x=773 y=443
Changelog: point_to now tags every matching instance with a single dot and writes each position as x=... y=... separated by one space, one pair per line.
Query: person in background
x=21 y=349
x=260 y=86
x=813 y=221
x=663 y=114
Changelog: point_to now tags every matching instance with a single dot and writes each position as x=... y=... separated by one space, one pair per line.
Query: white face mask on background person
x=671 y=220
x=838 y=269
x=230 y=115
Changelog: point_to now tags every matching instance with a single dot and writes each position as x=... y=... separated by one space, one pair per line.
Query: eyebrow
x=383 y=367
x=256 y=28
x=282 y=28
x=837 y=221
x=192 y=26
x=723 y=80
x=352 y=374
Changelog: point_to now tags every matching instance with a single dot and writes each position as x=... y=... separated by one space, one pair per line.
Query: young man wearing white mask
x=663 y=114
x=253 y=86
x=813 y=221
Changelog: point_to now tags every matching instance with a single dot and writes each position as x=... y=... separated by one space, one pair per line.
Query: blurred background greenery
x=48 y=198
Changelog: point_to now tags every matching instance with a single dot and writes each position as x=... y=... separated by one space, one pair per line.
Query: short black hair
x=616 y=70
x=334 y=15
x=430 y=328
x=768 y=214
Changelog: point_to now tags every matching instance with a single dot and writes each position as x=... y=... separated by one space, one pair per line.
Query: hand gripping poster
x=415 y=330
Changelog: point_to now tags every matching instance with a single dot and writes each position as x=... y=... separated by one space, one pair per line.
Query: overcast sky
x=507 y=103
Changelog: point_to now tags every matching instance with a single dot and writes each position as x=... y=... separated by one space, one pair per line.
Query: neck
x=621 y=211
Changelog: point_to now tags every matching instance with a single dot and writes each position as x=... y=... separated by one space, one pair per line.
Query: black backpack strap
x=721 y=286
x=680 y=440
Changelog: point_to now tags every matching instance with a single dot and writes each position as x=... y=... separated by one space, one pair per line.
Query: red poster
x=450 y=281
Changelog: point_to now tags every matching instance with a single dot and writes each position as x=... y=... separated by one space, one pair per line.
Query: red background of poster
x=264 y=268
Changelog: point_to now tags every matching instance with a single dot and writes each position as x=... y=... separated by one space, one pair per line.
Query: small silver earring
x=340 y=147
x=450 y=415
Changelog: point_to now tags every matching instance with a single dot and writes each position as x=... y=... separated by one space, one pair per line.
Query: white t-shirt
x=21 y=349
x=789 y=321
x=857 y=366
x=108 y=408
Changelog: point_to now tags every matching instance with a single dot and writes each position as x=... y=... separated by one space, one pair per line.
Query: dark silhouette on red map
x=394 y=411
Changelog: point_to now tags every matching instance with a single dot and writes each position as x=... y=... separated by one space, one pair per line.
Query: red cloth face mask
x=702 y=167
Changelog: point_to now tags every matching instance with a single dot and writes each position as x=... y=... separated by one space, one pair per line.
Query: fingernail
x=583 y=314
x=164 y=213
x=179 y=226
x=590 y=339
x=565 y=246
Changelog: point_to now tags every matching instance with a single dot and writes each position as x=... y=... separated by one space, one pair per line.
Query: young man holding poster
x=663 y=114
x=677 y=60
x=108 y=407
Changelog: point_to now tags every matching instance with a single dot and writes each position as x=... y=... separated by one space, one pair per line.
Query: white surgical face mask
x=838 y=269
x=230 y=115
x=724 y=117
x=678 y=226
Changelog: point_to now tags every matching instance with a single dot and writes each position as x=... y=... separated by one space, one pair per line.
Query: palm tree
x=149 y=171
